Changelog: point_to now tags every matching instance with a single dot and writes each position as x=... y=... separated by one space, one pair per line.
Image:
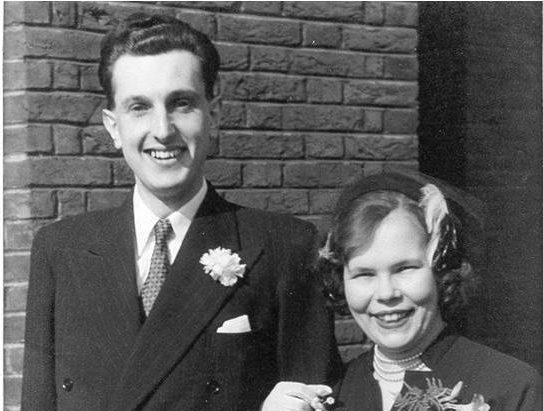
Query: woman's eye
x=405 y=268
x=182 y=103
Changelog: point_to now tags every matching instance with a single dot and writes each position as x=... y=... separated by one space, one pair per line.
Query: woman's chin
x=394 y=342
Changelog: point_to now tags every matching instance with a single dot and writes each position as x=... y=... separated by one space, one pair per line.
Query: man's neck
x=163 y=206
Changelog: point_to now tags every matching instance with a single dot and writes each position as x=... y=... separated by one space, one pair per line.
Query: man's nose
x=163 y=126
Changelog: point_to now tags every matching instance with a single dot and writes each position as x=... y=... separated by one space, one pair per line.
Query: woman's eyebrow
x=407 y=261
x=359 y=269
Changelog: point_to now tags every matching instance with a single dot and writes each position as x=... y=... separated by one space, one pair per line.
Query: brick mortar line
x=388 y=81
x=14 y=314
x=23 y=92
x=316 y=133
x=310 y=19
x=92 y=63
x=50 y=91
x=370 y=53
x=216 y=15
x=14 y=345
x=318 y=104
x=54 y=60
x=16 y=284
x=227 y=42
x=305 y=103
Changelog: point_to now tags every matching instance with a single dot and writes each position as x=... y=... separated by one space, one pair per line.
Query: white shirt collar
x=145 y=219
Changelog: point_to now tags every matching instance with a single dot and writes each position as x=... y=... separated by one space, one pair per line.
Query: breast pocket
x=244 y=354
x=245 y=367
x=233 y=350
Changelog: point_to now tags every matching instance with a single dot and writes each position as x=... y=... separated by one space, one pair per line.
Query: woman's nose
x=386 y=289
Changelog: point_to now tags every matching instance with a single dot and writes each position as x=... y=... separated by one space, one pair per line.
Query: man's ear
x=110 y=123
x=215 y=111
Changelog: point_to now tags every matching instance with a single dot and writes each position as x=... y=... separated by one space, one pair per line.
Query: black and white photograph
x=272 y=206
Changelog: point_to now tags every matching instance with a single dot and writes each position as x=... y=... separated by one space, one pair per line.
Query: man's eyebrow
x=183 y=93
x=130 y=99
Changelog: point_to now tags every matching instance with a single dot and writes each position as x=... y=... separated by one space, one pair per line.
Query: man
x=177 y=300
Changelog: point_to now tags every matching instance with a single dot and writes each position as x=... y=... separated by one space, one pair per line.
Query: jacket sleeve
x=38 y=391
x=307 y=349
x=531 y=398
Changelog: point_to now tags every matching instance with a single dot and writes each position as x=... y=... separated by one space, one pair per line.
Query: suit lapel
x=188 y=301
x=112 y=284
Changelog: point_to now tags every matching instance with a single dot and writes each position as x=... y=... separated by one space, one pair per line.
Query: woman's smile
x=393 y=319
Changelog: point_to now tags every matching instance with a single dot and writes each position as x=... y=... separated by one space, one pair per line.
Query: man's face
x=161 y=121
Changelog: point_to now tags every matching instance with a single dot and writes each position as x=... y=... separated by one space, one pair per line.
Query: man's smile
x=165 y=154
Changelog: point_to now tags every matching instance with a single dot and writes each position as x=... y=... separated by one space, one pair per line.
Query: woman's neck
x=424 y=342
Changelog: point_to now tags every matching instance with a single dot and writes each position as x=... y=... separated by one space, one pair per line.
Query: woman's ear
x=110 y=123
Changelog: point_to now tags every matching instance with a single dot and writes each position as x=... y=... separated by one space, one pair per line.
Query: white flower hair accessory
x=435 y=209
x=223 y=266
x=325 y=251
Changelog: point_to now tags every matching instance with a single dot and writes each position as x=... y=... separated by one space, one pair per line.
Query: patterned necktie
x=159 y=265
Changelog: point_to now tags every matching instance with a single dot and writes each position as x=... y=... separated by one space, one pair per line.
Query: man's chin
x=179 y=191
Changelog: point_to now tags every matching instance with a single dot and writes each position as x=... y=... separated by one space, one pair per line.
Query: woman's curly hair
x=353 y=228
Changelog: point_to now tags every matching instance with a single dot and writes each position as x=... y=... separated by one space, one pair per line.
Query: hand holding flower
x=294 y=396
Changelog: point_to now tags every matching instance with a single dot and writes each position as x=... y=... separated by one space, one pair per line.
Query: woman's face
x=390 y=288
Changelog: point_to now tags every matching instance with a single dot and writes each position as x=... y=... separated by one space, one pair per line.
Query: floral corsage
x=223 y=266
x=437 y=397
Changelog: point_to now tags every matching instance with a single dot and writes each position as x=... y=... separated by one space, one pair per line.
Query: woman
x=396 y=252
x=396 y=255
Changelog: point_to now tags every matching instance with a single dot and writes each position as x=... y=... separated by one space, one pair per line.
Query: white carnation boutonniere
x=223 y=266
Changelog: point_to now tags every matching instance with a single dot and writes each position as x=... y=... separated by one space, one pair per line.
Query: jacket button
x=213 y=386
x=67 y=385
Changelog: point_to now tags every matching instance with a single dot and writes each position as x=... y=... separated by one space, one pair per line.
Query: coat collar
x=187 y=303
x=359 y=390
x=437 y=351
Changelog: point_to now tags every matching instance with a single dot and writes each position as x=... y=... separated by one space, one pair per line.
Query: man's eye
x=365 y=274
x=138 y=108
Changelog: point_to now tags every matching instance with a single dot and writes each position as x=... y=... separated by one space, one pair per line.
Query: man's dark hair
x=141 y=34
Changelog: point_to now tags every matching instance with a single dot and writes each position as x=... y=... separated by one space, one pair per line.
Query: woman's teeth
x=164 y=155
x=393 y=316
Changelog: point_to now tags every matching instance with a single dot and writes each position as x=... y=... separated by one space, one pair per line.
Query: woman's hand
x=295 y=396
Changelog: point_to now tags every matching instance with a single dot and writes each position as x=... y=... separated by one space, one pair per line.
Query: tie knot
x=162 y=230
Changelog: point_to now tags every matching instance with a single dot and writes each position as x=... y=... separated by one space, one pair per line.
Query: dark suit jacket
x=506 y=383
x=87 y=347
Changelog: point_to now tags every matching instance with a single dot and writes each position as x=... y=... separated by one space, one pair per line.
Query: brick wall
x=313 y=94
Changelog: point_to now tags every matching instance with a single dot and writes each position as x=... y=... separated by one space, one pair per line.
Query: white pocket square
x=235 y=325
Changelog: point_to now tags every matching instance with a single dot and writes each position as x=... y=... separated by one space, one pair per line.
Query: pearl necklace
x=394 y=370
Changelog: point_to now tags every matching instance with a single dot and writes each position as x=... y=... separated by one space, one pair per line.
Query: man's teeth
x=393 y=316
x=164 y=155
